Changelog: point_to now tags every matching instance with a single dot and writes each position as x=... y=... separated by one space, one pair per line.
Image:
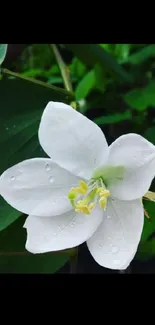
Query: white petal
x=115 y=242
x=137 y=155
x=72 y=140
x=60 y=232
x=37 y=186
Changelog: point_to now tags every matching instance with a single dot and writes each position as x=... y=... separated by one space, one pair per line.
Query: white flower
x=86 y=191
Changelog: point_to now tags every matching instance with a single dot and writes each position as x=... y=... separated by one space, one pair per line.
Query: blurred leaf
x=114 y=118
x=3 y=50
x=33 y=73
x=150 y=134
x=149 y=226
x=101 y=78
x=146 y=250
x=77 y=68
x=15 y=259
x=21 y=105
x=91 y=54
x=141 y=98
x=85 y=85
x=142 y=55
x=120 y=51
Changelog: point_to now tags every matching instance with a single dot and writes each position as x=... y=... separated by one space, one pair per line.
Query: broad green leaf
x=120 y=51
x=85 y=85
x=15 y=259
x=150 y=134
x=141 y=98
x=3 y=50
x=101 y=77
x=142 y=55
x=91 y=54
x=113 y=118
x=77 y=68
x=21 y=107
x=146 y=250
x=149 y=226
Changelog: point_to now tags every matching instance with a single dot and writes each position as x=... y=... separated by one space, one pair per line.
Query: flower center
x=85 y=196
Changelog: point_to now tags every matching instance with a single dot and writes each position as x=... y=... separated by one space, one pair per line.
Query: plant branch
x=63 y=68
x=38 y=82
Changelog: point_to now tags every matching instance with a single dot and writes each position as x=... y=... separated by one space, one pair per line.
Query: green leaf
x=101 y=78
x=91 y=54
x=3 y=50
x=15 y=259
x=113 y=118
x=142 y=55
x=77 y=68
x=21 y=107
x=146 y=250
x=146 y=247
x=141 y=98
x=150 y=134
x=149 y=226
x=85 y=85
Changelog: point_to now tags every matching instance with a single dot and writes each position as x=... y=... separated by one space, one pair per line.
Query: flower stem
x=63 y=68
x=38 y=82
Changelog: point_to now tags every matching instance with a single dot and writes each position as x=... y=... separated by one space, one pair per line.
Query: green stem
x=63 y=68
x=38 y=82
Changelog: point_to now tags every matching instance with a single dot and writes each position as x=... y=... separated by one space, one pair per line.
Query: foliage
x=114 y=85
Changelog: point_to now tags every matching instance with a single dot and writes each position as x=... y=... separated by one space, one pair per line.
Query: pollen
x=86 y=196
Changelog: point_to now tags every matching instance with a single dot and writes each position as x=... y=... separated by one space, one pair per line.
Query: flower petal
x=61 y=232
x=137 y=155
x=37 y=186
x=72 y=140
x=115 y=242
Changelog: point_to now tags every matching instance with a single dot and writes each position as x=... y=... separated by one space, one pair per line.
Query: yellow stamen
x=83 y=186
x=90 y=194
x=92 y=206
x=102 y=192
x=102 y=202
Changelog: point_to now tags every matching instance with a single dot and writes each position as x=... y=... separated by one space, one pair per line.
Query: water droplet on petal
x=115 y=249
x=51 y=179
x=116 y=262
x=12 y=178
x=47 y=167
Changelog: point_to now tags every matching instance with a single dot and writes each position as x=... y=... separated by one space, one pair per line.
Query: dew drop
x=12 y=178
x=51 y=179
x=109 y=238
x=14 y=126
x=108 y=217
x=6 y=129
x=115 y=249
x=116 y=262
x=47 y=167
